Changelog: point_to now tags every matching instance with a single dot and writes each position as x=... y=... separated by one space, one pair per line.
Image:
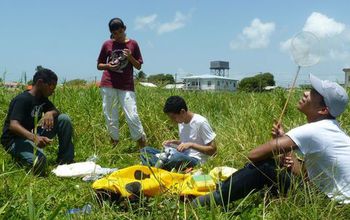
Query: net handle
x=289 y=95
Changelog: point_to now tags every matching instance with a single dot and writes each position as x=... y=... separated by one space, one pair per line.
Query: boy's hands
x=169 y=142
x=48 y=121
x=113 y=66
x=42 y=141
x=291 y=162
x=184 y=146
x=277 y=130
x=127 y=53
x=287 y=160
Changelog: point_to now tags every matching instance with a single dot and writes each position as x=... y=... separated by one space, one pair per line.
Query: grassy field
x=241 y=121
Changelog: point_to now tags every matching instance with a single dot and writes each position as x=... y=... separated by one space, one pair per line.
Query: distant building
x=175 y=86
x=217 y=80
x=147 y=84
x=11 y=85
x=210 y=82
x=269 y=88
x=347 y=77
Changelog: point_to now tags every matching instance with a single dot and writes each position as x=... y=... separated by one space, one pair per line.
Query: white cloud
x=334 y=37
x=178 y=22
x=146 y=21
x=256 y=36
x=323 y=26
x=285 y=45
x=151 y=22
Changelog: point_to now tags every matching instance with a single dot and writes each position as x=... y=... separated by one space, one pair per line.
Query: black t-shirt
x=23 y=108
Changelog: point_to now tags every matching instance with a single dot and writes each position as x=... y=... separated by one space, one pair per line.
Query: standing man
x=32 y=120
x=117 y=58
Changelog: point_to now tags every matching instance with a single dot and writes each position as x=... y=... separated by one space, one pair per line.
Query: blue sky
x=174 y=36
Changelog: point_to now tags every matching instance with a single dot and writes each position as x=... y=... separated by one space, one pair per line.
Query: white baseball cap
x=334 y=95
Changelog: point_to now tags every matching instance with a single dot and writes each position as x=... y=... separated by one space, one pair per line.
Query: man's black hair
x=116 y=23
x=174 y=104
x=47 y=75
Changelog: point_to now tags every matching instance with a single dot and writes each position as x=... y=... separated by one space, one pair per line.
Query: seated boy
x=18 y=137
x=196 y=139
x=325 y=146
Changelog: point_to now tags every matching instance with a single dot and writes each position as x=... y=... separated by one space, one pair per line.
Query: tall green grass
x=241 y=121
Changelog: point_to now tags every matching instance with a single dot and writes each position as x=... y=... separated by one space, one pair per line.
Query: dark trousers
x=26 y=153
x=249 y=179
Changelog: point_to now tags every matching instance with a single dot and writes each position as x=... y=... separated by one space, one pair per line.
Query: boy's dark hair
x=174 y=104
x=47 y=75
x=116 y=23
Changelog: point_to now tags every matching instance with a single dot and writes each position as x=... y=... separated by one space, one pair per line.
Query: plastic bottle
x=93 y=158
x=86 y=209
x=163 y=157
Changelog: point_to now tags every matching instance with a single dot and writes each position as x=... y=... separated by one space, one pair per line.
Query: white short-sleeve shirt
x=196 y=131
x=326 y=150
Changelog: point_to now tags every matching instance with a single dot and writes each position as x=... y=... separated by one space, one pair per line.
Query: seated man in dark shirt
x=32 y=120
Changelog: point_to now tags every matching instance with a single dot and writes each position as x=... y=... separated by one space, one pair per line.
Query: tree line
x=255 y=83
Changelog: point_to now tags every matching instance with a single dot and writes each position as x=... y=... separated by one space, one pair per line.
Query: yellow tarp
x=153 y=181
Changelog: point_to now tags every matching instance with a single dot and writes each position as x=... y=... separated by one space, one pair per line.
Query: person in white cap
x=324 y=145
